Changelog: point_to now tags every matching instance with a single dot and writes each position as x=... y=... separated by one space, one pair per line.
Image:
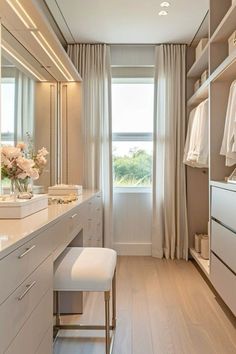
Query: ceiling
x=127 y=21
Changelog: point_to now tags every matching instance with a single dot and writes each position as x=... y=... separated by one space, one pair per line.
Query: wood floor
x=164 y=307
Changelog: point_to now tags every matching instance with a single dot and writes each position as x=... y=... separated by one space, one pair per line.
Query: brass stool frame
x=107 y=327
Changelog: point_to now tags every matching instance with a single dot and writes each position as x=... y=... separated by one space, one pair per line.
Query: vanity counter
x=16 y=232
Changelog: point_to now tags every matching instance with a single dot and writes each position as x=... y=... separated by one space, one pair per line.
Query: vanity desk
x=28 y=248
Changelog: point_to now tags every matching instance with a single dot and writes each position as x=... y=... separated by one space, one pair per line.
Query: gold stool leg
x=114 y=301
x=107 y=320
x=58 y=321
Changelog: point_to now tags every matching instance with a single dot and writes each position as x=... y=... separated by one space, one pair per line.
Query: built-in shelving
x=226 y=70
x=200 y=95
x=203 y=263
x=200 y=64
x=226 y=27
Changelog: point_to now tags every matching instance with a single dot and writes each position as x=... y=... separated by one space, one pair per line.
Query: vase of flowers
x=21 y=165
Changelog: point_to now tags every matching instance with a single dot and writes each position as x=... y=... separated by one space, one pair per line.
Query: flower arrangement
x=20 y=164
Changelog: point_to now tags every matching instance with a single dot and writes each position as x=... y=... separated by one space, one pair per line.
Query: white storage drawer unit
x=19 y=305
x=23 y=261
x=223 y=244
x=36 y=327
x=224 y=206
x=26 y=271
x=224 y=281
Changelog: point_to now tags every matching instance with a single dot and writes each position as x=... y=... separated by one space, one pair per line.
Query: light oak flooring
x=164 y=307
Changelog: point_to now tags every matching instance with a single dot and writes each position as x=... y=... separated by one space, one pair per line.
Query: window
x=132 y=121
x=7 y=110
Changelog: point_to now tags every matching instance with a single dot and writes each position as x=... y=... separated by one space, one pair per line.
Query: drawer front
x=25 y=259
x=46 y=346
x=19 y=305
x=223 y=243
x=33 y=332
x=59 y=237
x=224 y=282
x=75 y=223
x=224 y=206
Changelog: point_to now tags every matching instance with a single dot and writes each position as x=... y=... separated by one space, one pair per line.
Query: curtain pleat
x=169 y=229
x=93 y=63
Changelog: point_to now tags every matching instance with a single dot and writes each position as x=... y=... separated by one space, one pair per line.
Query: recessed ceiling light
x=163 y=13
x=165 y=4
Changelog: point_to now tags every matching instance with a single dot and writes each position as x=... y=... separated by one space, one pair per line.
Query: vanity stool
x=88 y=269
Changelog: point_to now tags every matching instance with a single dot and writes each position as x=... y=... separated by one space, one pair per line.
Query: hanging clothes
x=196 y=151
x=228 y=148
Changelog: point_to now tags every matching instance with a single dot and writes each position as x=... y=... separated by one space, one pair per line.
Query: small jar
x=197 y=243
x=205 y=247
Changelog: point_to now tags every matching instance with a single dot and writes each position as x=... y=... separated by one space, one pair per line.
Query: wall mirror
x=28 y=105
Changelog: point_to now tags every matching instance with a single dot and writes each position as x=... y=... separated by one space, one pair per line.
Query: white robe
x=228 y=148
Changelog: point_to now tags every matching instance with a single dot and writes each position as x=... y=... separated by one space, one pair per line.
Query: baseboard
x=133 y=249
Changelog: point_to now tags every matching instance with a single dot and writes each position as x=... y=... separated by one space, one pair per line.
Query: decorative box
x=65 y=189
x=197 y=85
x=201 y=45
x=232 y=43
x=10 y=209
x=204 y=77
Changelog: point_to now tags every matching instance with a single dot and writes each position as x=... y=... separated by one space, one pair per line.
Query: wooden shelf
x=203 y=263
x=200 y=64
x=226 y=27
x=226 y=71
x=200 y=95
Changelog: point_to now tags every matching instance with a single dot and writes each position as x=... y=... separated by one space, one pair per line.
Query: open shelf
x=200 y=95
x=226 y=71
x=200 y=64
x=203 y=263
x=226 y=27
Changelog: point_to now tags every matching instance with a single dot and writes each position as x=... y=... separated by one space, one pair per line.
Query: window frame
x=132 y=136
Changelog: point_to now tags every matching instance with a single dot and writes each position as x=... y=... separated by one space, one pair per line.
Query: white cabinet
x=93 y=227
x=26 y=272
x=223 y=244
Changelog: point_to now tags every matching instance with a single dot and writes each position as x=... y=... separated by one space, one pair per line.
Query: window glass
x=8 y=111
x=132 y=115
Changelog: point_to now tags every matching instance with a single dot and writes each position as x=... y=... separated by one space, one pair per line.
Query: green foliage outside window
x=133 y=170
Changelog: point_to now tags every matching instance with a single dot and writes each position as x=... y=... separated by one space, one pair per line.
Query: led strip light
x=31 y=26
x=22 y=63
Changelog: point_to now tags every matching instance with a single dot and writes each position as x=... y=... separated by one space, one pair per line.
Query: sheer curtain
x=93 y=63
x=169 y=229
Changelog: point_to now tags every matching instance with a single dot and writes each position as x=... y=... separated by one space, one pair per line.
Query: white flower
x=22 y=175
x=25 y=164
x=34 y=173
x=42 y=152
x=21 y=145
x=11 y=152
x=41 y=160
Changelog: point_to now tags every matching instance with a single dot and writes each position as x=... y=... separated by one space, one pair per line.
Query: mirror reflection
x=29 y=115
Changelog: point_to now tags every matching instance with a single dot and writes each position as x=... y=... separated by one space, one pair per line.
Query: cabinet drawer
x=224 y=206
x=33 y=332
x=223 y=243
x=19 y=305
x=224 y=282
x=75 y=223
x=46 y=346
x=25 y=260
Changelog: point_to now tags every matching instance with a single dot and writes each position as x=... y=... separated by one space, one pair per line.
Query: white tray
x=22 y=207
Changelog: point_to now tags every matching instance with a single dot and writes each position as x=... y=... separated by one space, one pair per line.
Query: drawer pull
x=73 y=216
x=26 y=251
x=28 y=287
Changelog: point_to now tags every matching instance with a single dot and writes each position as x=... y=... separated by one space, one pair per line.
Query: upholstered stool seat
x=88 y=269
x=85 y=269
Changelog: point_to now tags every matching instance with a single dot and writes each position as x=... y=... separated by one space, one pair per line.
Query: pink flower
x=25 y=164
x=11 y=152
x=42 y=152
x=21 y=145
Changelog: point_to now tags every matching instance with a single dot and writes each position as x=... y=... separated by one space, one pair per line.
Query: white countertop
x=224 y=185
x=15 y=232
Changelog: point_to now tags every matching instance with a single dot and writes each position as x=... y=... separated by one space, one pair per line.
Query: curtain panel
x=169 y=228
x=93 y=63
